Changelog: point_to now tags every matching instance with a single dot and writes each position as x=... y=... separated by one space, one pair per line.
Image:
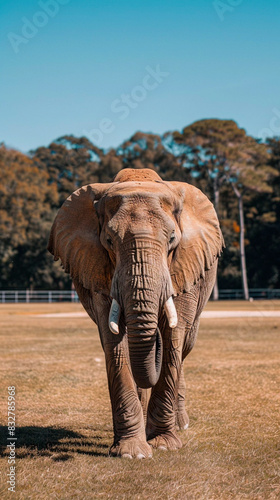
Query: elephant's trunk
x=145 y=346
x=142 y=285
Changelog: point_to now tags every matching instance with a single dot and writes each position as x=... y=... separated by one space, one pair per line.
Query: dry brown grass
x=231 y=451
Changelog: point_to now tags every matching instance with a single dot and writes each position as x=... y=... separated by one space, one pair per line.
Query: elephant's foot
x=135 y=447
x=182 y=419
x=166 y=441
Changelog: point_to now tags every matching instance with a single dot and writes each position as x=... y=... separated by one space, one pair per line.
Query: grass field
x=64 y=428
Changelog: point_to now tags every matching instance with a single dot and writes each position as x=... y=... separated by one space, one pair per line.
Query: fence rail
x=15 y=296
x=20 y=296
x=254 y=293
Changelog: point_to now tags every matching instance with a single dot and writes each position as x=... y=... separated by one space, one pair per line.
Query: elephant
x=142 y=254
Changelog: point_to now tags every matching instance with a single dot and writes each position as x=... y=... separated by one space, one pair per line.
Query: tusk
x=171 y=313
x=114 y=317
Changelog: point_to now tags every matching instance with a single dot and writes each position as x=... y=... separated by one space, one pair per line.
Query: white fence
x=15 y=296
x=254 y=293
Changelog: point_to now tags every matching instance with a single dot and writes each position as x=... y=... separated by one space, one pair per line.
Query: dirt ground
x=63 y=417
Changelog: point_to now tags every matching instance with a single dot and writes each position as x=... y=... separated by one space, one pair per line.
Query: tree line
x=240 y=174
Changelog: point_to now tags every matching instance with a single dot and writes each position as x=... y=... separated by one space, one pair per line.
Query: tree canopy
x=240 y=174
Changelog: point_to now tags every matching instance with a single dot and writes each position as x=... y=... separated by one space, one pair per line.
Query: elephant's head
x=141 y=241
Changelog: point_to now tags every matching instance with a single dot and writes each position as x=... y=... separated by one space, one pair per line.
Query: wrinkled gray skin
x=140 y=235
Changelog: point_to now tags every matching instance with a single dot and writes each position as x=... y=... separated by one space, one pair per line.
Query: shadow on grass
x=57 y=443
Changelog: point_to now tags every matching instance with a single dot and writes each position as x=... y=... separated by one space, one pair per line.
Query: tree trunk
x=242 y=244
x=242 y=249
x=215 y=294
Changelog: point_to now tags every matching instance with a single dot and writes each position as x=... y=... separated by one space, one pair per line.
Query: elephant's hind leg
x=144 y=396
x=182 y=418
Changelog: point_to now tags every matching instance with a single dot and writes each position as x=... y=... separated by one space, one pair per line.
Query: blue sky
x=82 y=67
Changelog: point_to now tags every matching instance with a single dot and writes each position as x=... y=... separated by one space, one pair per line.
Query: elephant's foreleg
x=128 y=421
x=161 y=419
x=169 y=391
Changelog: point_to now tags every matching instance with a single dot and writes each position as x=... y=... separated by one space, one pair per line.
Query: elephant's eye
x=109 y=241
x=172 y=238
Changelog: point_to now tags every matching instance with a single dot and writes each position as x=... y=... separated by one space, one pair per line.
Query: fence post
x=73 y=293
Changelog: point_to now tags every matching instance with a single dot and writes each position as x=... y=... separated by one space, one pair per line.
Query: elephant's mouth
x=145 y=345
x=115 y=313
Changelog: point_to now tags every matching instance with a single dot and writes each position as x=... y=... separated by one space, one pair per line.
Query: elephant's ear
x=74 y=239
x=201 y=238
